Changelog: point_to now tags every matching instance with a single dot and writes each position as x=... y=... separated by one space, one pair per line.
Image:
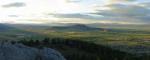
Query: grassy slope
x=126 y=41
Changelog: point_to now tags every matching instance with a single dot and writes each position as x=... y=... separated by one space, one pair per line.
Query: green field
x=90 y=45
x=130 y=41
x=124 y=42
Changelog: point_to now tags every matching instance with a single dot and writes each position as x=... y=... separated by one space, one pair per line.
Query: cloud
x=70 y=1
x=129 y=12
x=122 y=0
x=94 y=19
x=124 y=10
x=145 y=4
x=13 y=15
x=16 y=4
x=117 y=13
x=75 y=15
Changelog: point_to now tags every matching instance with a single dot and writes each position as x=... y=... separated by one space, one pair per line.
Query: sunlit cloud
x=16 y=4
x=75 y=11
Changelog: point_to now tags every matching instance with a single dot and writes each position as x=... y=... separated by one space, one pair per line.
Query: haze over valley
x=75 y=29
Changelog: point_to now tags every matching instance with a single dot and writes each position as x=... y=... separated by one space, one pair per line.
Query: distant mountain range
x=87 y=28
x=75 y=27
x=78 y=27
x=4 y=27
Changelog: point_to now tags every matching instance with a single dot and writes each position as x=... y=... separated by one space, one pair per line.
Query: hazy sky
x=75 y=11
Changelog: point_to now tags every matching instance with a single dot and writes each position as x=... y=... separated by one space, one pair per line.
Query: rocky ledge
x=17 y=51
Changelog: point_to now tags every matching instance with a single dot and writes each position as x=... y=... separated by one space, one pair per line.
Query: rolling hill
x=75 y=27
x=4 y=27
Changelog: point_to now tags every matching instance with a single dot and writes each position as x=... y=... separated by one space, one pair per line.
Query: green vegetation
x=100 y=37
x=113 y=44
x=131 y=42
x=74 y=49
x=94 y=45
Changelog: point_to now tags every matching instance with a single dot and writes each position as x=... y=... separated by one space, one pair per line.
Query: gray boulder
x=21 y=52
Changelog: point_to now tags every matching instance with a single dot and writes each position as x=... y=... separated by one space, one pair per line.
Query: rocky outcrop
x=21 y=52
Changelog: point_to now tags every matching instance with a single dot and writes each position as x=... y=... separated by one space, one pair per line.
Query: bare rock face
x=21 y=52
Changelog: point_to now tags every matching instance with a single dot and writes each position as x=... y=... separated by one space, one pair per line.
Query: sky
x=75 y=11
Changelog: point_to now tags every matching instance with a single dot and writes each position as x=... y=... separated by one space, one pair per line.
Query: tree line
x=75 y=49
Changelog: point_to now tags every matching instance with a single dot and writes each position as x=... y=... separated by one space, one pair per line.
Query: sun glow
x=38 y=10
x=55 y=6
x=22 y=10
